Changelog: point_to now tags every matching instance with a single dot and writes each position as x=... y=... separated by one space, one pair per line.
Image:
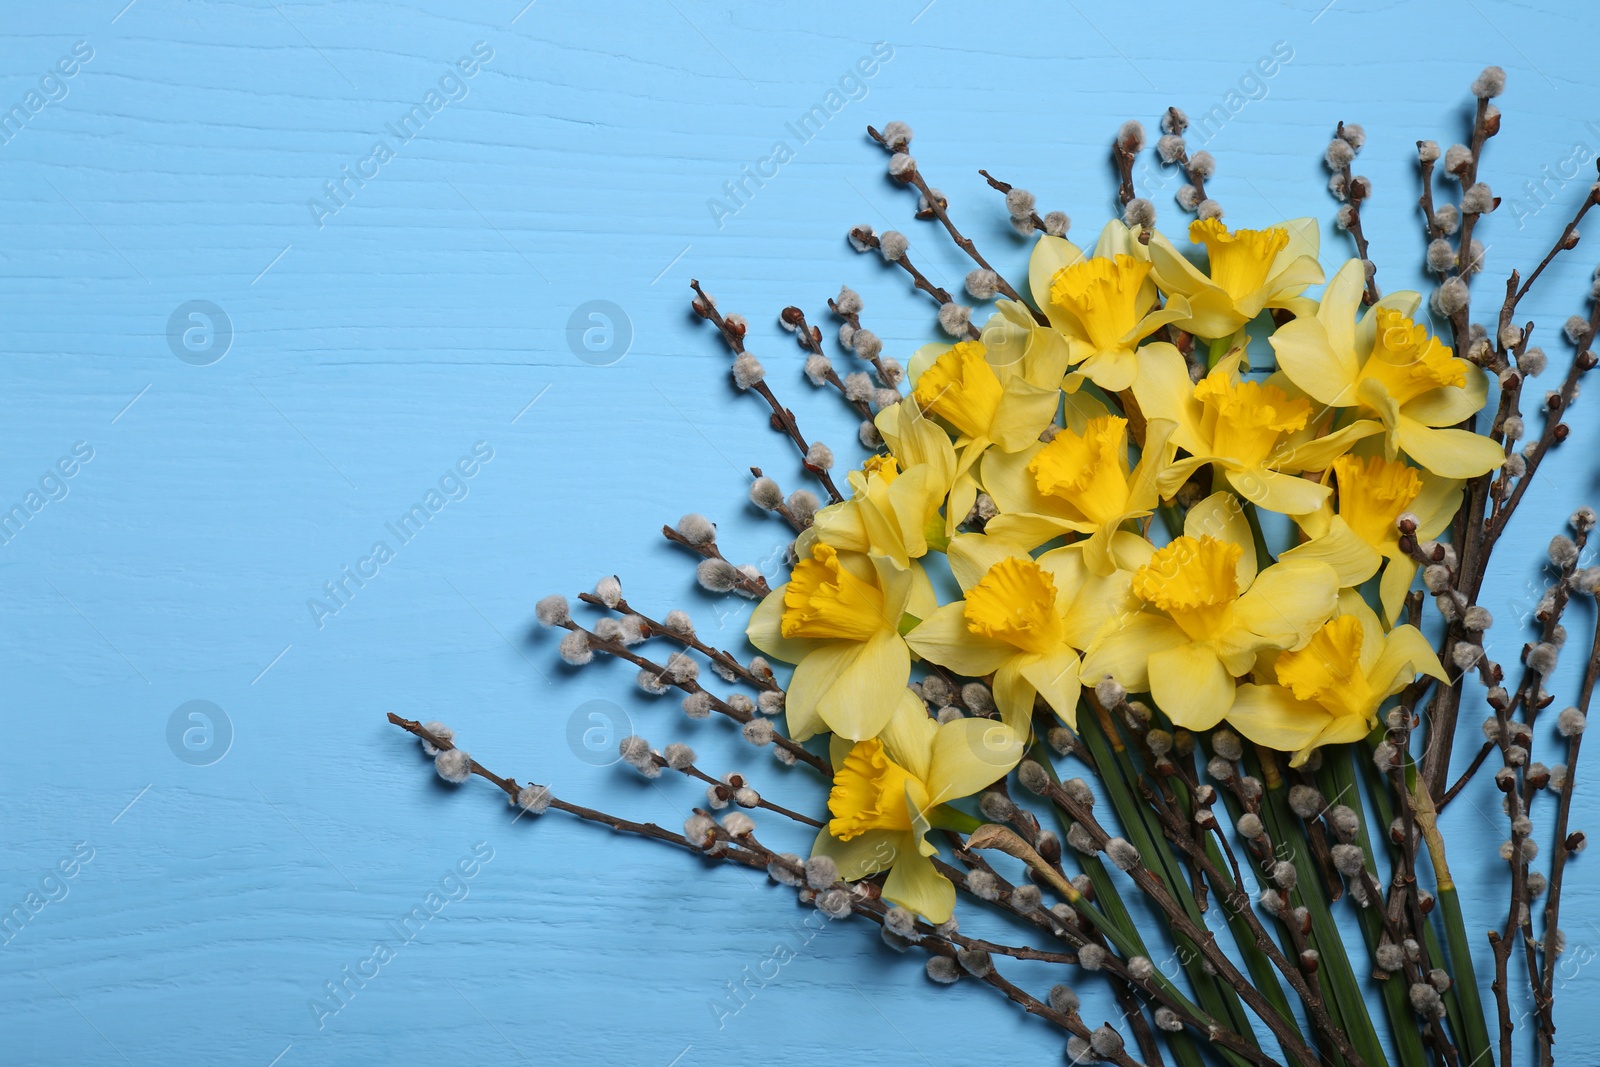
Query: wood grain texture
x=371 y=352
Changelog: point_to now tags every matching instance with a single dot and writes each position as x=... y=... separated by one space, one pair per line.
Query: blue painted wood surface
x=398 y=208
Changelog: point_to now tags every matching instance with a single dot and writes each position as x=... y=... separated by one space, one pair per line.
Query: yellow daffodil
x=1102 y=305
x=838 y=620
x=1387 y=367
x=1023 y=621
x=1257 y=434
x=1362 y=534
x=1078 y=482
x=1249 y=271
x=893 y=510
x=885 y=790
x=987 y=405
x=1206 y=614
x=1329 y=692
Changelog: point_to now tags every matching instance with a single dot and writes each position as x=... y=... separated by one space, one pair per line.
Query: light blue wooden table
x=387 y=313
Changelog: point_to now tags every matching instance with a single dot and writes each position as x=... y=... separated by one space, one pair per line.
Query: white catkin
x=943 y=969
x=609 y=590
x=575 y=650
x=758 y=732
x=1250 y=825
x=534 y=799
x=553 y=610
x=821 y=872
x=1057 y=223
x=892 y=245
x=817 y=368
x=982 y=284
x=834 y=903
x=747 y=370
x=975 y=961
x=1131 y=136
x=697 y=529
x=1122 y=853
x=679 y=756
x=717 y=575
x=453 y=765
x=697 y=705
x=1105 y=1042
x=954 y=319
x=439 y=730
x=1305 y=801
x=1064 y=1000
x=1490 y=83
x=1092 y=957
x=1571 y=722
x=1019 y=202
x=983 y=884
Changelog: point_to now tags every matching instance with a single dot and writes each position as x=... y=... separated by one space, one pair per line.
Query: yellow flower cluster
x=1131 y=401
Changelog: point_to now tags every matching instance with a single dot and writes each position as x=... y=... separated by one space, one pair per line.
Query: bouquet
x=1160 y=583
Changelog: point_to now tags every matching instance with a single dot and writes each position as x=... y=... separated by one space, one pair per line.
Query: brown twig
x=782 y=418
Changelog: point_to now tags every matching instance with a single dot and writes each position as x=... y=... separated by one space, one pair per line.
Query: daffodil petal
x=969 y=754
x=1191 y=685
x=1056 y=678
x=1288 y=601
x=866 y=854
x=1350 y=557
x=916 y=885
x=1270 y=716
x=1123 y=649
x=1283 y=493
x=1398 y=574
x=1450 y=453
x=944 y=638
x=852 y=688
x=1165 y=391
x=1406 y=654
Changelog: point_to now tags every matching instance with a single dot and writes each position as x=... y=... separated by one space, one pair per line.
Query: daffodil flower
x=1081 y=481
x=1249 y=271
x=838 y=619
x=1385 y=366
x=1101 y=305
x=893 y=510
x=1206 y=614
x=1329 y=692
x=885 y=790
x=1023 y=621
x=1363 y=534
x=987 y=405
x=1256 y=433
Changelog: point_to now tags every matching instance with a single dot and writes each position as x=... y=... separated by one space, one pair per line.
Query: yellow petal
x=1406 y=654
x=1022 y=414
x=1449 y=453
x=944 y=638
x=1284 y=493
x=1124 y=649
x=1398 y=574
x=915 y=885
x=852 y=688
x=1270 y=716
x=865 y=854
x=1165 y=391
x=908 y=735
x=1351 y=557
x=969 y=754
x=1050 y=255
x=1190 y=684
x=1056 y=678
x=1288 y=601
